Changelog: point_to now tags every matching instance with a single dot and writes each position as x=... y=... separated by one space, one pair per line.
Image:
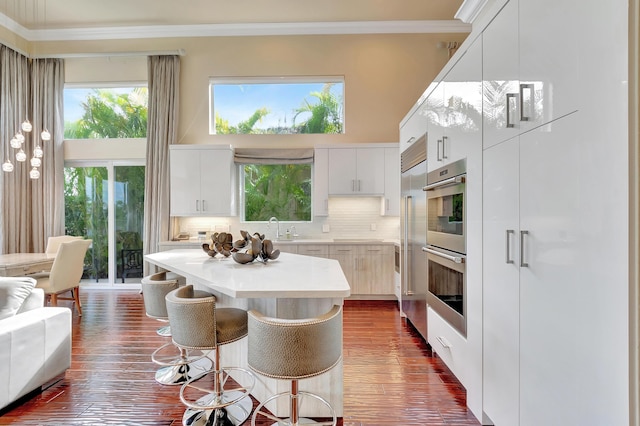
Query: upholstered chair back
x=68 y=266
x=154 y=291
x=294 y=349
x=54 y=242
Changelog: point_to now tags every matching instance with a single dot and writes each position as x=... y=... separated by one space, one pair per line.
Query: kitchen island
x=292 y=286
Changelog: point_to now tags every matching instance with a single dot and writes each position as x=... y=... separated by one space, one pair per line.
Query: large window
x=276 y=105
x=280 y=190
x=105 y=112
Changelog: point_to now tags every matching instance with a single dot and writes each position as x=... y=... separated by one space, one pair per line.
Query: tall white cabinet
x=548 y=322
x=555 y=344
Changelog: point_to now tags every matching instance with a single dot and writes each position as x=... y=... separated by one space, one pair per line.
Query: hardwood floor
x=391 y=377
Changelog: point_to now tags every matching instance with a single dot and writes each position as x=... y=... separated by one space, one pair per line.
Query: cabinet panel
x=390 y=205
x=375 y=266
x=346 y=256
x=500 y=74
x=501 y=287
x=556 y=251
x=321 y=182
x=316 y=250
x=202 y=181
x=356 y=171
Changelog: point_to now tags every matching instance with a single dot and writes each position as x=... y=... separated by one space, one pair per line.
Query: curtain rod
x=179 y=52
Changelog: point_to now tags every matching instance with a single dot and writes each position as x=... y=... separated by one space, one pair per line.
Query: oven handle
x=455 y=259
x=447 y=182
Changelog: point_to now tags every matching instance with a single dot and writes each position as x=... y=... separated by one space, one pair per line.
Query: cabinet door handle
x=444 y=151
x=522 y=259
x=438 y=158
x=445 y=344
x=508 y=105
x=524 y=87
x=359 y=185
x=411 y=139
x=197 y=205
x=507 y=246
x=353 y=185
x=204 y=206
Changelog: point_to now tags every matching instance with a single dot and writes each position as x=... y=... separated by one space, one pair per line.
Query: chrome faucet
x=277 y=226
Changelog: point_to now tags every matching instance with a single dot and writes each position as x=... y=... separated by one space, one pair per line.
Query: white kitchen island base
x=292 y=287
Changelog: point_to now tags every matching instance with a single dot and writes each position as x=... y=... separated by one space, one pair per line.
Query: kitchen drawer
x=286 y=248
x=376 y=249
x=317 y=250
x=450 y=346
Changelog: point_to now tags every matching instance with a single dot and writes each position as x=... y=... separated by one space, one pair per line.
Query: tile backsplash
x=349 y=217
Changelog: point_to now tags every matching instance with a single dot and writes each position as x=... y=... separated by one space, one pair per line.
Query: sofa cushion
x=13 y=292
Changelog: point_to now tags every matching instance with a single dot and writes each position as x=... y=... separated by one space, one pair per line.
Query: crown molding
x=226 y=30
x=469 y=10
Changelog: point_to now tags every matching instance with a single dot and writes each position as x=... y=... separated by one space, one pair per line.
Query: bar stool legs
x=218 y=400
x=296 y=399
x=178 y=368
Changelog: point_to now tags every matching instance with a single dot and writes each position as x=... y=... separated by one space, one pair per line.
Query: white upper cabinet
x=356 y=171
x=202 y=180
x=529 y=67
x=414 y=127
x=321 y=182
x=454 y=110
x=391 y=200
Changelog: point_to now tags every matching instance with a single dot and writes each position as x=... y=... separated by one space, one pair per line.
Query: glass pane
x=283 y=191
x=249 y=107
x=445 y=214
x=86 y=212
x=100 y=113
x=129 y=211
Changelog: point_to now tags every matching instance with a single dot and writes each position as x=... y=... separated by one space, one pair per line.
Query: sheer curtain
x=32 y=209
x=162 y=130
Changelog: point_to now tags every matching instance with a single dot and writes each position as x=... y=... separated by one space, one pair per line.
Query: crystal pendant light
x=7 y=166
x=35 y=162
x=45 y=135
x=34 y=173
x=15 y=142
x=26 y=126
x=21 y=156
x=37 y=152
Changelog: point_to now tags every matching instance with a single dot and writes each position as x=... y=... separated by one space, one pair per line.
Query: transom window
x=276 y=105
x=105 y=112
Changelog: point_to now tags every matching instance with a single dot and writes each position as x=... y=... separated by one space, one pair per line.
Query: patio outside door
x=104 y=201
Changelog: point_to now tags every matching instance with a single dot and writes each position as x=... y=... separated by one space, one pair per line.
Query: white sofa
x=35 y=341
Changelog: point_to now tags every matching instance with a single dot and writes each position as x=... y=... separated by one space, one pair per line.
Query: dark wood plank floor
x=391 y=376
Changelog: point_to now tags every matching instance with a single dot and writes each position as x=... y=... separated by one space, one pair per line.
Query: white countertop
x=194 y=241
x=289 y=276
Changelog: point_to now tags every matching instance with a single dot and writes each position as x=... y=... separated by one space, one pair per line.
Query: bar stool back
x=293 y=350
x=177 y=365
x=215 y=398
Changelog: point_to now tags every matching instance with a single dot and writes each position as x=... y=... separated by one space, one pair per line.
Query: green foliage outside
x=324 y=112
x=283 y=191
x=106 y=115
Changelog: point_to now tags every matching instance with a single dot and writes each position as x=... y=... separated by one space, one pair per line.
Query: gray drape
x=32 y=209
x=162 y=130
x=273 y=156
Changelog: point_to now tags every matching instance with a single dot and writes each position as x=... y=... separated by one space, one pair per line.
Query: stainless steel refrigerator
x=413 y=165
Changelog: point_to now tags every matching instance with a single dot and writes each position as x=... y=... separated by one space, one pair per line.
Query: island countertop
x=289 y=276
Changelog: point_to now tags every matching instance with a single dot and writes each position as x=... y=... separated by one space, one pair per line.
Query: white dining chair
x=65 y=273
x=54 y=242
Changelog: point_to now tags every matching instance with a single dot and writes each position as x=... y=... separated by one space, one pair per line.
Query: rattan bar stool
x=293 y=350
x=215 y=398
x=178 y=365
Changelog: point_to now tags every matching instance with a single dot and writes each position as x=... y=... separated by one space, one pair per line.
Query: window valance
x=273 y=156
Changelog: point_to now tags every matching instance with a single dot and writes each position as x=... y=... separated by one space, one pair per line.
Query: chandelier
x=24 y=136
x=18 y=143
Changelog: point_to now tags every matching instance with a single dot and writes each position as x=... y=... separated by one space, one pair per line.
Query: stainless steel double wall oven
x=446 y=243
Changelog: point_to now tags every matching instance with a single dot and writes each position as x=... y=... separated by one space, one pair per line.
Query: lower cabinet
x=368 y=268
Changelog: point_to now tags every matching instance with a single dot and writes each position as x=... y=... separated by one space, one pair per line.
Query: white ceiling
x=84 y=19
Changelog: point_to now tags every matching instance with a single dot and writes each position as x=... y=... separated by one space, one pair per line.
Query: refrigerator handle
x=405 y=248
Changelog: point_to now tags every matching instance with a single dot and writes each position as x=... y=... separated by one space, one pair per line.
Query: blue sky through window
x=236 y=102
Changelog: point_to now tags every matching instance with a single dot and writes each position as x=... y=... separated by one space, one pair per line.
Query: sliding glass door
x=104 y=201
